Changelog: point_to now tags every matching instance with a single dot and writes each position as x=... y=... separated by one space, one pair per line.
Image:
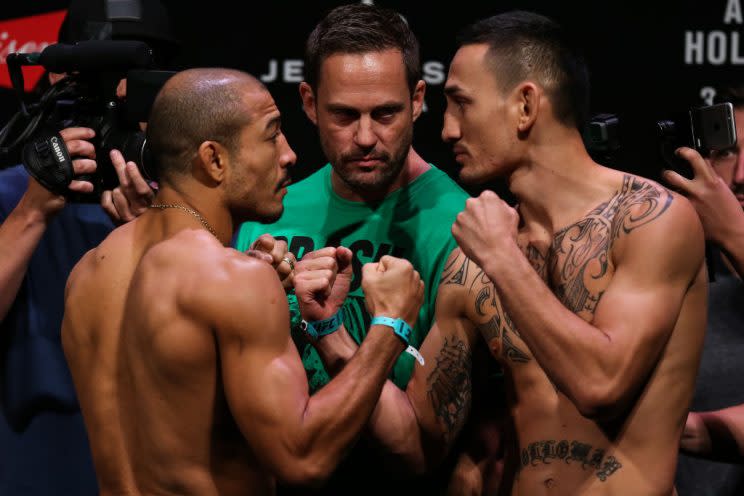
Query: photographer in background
x=717 y=193
x=43 y=444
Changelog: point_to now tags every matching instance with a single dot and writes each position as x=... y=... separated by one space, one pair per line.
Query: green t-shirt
x=413 y=222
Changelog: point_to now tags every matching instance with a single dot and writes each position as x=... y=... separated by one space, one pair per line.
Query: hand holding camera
x=131 y=197
x=38 y=199
x=719 y=210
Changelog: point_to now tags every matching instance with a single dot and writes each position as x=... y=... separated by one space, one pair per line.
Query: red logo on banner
x=27 y=35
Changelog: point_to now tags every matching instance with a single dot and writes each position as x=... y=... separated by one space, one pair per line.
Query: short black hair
x=523 y=45
x=359 y=28
x=195 y=106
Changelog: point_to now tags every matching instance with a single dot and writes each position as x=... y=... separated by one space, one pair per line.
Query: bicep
x=262 y=374
x=642 y=304
x=266 y=391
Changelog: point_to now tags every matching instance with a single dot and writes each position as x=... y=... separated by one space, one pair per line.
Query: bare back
x=146 y=368
x=94 y=303
x=181 y=436
x=560 y=451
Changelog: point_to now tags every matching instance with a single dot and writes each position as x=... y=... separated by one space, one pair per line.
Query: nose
x=450 y=129
x=365 y=137
x=287 y=157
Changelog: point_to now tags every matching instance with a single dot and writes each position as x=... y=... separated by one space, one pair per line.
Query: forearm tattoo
x=570 y=452
x=462 y=271
x=449 y=386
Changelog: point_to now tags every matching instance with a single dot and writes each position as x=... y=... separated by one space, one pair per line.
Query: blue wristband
x=403 y=331
x=400 y=327
x=318 y=328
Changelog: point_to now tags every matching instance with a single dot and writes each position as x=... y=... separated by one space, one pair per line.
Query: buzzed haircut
x=357 y=29
x=523 y=46
x=195 y=106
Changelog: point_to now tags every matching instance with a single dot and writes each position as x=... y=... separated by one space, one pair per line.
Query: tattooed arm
x=417 y=426
x=599 y=334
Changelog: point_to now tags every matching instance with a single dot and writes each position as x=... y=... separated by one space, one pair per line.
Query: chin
x=272 y=216
x=263 y=216
x=471 y=177
x=474 y=176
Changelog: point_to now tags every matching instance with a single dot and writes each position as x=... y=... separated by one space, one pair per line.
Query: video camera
x=601 y=137
x=86 y=97
x=706 y=129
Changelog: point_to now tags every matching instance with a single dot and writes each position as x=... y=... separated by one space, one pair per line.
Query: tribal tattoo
x=459 y=269
x=545 y=452
x=455 y=270
x=449 y=386
x=579 y=257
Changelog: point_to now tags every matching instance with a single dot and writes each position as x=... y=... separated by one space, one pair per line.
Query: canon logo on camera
x=58 y=150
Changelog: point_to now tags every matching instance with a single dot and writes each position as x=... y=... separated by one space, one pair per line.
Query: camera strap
x=47 y=160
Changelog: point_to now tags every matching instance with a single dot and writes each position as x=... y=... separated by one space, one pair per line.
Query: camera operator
x=25 y=223
x=712 y=431
x=43 y=444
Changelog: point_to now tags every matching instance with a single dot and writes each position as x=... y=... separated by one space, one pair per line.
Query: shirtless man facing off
x=180 y=350
x=601 y=273
x=592 y=295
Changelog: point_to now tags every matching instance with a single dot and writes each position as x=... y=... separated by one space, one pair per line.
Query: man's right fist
x=393 y=288
x=322 y=282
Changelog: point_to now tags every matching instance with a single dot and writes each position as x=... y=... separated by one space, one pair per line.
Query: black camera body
x=86 y=98
x=705 y=129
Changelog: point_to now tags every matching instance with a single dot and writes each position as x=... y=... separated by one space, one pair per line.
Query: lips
x=366 y=162
x=460 y=154
x=286 y=182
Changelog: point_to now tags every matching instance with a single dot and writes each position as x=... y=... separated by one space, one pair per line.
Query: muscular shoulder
x=656 y=225
x=230 y=291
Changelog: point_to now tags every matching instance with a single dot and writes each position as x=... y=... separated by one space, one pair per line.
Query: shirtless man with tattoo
x=601 y=273
x=592 y=294
x=180 y=350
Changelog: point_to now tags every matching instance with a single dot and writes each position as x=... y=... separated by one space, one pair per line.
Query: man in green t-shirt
x=377 y=196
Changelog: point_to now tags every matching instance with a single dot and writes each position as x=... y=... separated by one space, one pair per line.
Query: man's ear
x=212 y=160
x=308 y=102
x=418 y=99
x=528 y=97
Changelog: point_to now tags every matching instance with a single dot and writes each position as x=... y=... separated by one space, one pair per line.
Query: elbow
x=306 y=472
x=603 y=402
x=406 y=454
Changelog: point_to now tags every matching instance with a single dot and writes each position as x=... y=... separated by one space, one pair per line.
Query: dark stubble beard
x=386 y=176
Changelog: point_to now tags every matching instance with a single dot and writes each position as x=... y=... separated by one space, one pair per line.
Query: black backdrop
x=647 y=60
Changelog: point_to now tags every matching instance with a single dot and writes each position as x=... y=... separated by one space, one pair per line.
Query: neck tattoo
x=163 y=206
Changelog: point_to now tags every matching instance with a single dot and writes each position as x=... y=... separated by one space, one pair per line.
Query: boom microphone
x=106 y=55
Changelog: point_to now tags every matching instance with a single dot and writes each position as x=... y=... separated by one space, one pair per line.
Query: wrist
x=402 y=330
x=496 y=259
x=33 y=214
x=317 y=329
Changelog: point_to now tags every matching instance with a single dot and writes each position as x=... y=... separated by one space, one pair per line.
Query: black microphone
x=103 y=55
